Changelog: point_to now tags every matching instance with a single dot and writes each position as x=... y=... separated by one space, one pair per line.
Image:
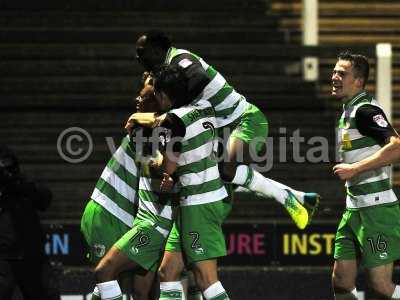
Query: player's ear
x=359 y=82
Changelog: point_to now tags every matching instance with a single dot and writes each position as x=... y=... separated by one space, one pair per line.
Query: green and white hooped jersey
x=228 y=104
x=197 y=169
x=368 y=188
x=154 y=206
x=116 y=188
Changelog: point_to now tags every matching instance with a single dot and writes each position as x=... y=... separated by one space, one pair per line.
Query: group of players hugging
x=158 y=207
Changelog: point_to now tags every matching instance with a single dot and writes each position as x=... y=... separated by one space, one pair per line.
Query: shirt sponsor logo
x=380 y=120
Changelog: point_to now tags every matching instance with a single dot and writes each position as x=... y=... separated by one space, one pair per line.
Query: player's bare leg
x=107 y=271
x=170 y=272
x=206 y=276
x=344 y=279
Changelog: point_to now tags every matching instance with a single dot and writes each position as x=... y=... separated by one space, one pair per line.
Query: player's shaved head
x=152 y=48
x=156 y=38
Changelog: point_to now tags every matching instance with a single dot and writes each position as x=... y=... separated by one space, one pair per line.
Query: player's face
x=146 y=101
x=148 y=56
x=344 y=84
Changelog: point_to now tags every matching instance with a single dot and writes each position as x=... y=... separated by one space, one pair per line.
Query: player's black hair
x=159 y=39
x=172 y=81
x=359 y=62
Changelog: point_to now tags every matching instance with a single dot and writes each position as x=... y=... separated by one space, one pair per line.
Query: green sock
x=171 y=295
x=171 y=290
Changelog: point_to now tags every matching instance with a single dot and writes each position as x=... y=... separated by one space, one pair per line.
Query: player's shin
x=193 y=292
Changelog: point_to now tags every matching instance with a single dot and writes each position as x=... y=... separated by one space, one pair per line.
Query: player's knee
x=103 y=271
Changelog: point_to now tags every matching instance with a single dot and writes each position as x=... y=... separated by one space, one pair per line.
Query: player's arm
x=372 y=122
x=140 y=119
x=173 y=148
x=195 y=73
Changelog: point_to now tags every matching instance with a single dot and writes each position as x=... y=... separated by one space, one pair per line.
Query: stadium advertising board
x=260 y=244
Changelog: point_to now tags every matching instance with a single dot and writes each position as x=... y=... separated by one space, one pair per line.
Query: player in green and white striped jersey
x=202 y=192
x=369 y=232
x=110 y=212
x=114 y=199
x=234 y=112
x=170 y=272
x=142 y=247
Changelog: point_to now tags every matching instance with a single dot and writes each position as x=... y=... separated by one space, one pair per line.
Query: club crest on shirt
x=380 y=120
x=99 y=250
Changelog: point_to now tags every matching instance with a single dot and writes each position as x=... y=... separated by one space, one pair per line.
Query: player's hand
x=156 y=162
x=143 y=119
x=345 y=171
x=159 y=120
x=147 y=78
x=166 y=183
